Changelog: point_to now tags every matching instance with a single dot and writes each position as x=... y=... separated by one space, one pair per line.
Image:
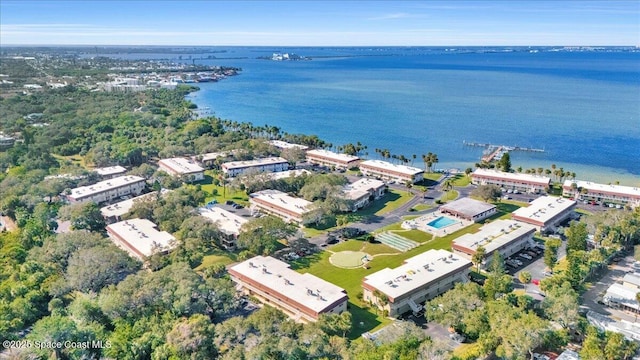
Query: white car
x=525 y=256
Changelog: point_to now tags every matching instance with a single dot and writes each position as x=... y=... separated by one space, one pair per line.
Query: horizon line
x=312 y=46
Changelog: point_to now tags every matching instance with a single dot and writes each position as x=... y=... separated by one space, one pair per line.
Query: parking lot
x=536 y=268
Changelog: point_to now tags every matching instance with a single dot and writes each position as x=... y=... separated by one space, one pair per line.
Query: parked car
x=525 y=256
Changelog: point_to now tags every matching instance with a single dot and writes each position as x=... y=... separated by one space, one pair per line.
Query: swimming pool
x=441 y=222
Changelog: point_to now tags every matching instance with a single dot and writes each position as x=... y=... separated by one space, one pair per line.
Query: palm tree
x=447 y=184
x=478 y=256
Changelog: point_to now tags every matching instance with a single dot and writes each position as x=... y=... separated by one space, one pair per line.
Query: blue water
x=441 y=222
x=583 y=108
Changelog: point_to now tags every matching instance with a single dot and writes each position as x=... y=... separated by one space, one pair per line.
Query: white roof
x=287 y=173
x=361 y=188
x=279 y=199
x=385 y=165
x=285 y=145
x=214 y=155
x=632 y=278
x=544 y=208
x=111 y=170
x=495 y=235
x=622 y=294
x=416 y=272
x=595 y=187
x=332 y=155
x=306 y=289
x=468 y=206
x=123 y=207
x=181 y=165
x=105 y=185
x=227 y=222
x=518 y=177
x=142 y=235
x=254 y=162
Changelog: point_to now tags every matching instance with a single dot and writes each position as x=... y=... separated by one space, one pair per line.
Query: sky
x=320 y=23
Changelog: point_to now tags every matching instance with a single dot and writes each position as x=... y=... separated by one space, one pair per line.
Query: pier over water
x=494 y=152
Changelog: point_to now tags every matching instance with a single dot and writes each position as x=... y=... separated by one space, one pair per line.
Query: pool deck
x=422 y=222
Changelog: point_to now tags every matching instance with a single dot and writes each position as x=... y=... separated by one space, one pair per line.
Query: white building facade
x=546 y=213
x=108 y=190
x=388 y=171
x=527 y=183
x=612 y=194
x=140 y=238
x=363 y=192
x=505 y=237
x=227 y=222
x=303 y=297
x=271 y=164
x=332 y=159
x=186 y=169
x=417 y=280
x=277 y=203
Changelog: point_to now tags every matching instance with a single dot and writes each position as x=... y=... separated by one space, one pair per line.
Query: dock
x=507 y=148
x=494 y=152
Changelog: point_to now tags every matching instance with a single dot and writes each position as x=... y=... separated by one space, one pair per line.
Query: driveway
x=612 y=274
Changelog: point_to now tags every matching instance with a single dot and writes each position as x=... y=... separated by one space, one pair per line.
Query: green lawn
x=222 y=194
x=415 y=235
x=389 y=202
x=359 y=245
x=351 y=279
x=449 y=196
x=460 y=180
x=421 y=207
x=432 y=176
x=225 y=258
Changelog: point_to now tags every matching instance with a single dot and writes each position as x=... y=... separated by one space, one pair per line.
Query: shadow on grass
x=378 y=204
x=506 y=208
x=362 y=321
x=427 y=183
x=208 y=180
x=306 y=261
x=328 y=225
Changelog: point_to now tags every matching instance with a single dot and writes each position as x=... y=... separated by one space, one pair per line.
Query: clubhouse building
x=303 y=297
x=187 y=170
x=417 y=280
x=505 y=237
x=108 y=190
x=612 y=194
x=363 y=192
x=277 y=203
x=227 y=222
x=388 y=171
x=332 y=159
x=545 y=213
x=527 y=183
x=270 y=164
x=469 y=209
x=140 y=238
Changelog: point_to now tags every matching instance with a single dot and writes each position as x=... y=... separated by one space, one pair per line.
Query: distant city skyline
x=320 y=23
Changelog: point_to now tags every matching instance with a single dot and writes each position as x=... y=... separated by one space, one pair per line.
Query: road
x=613 y=273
